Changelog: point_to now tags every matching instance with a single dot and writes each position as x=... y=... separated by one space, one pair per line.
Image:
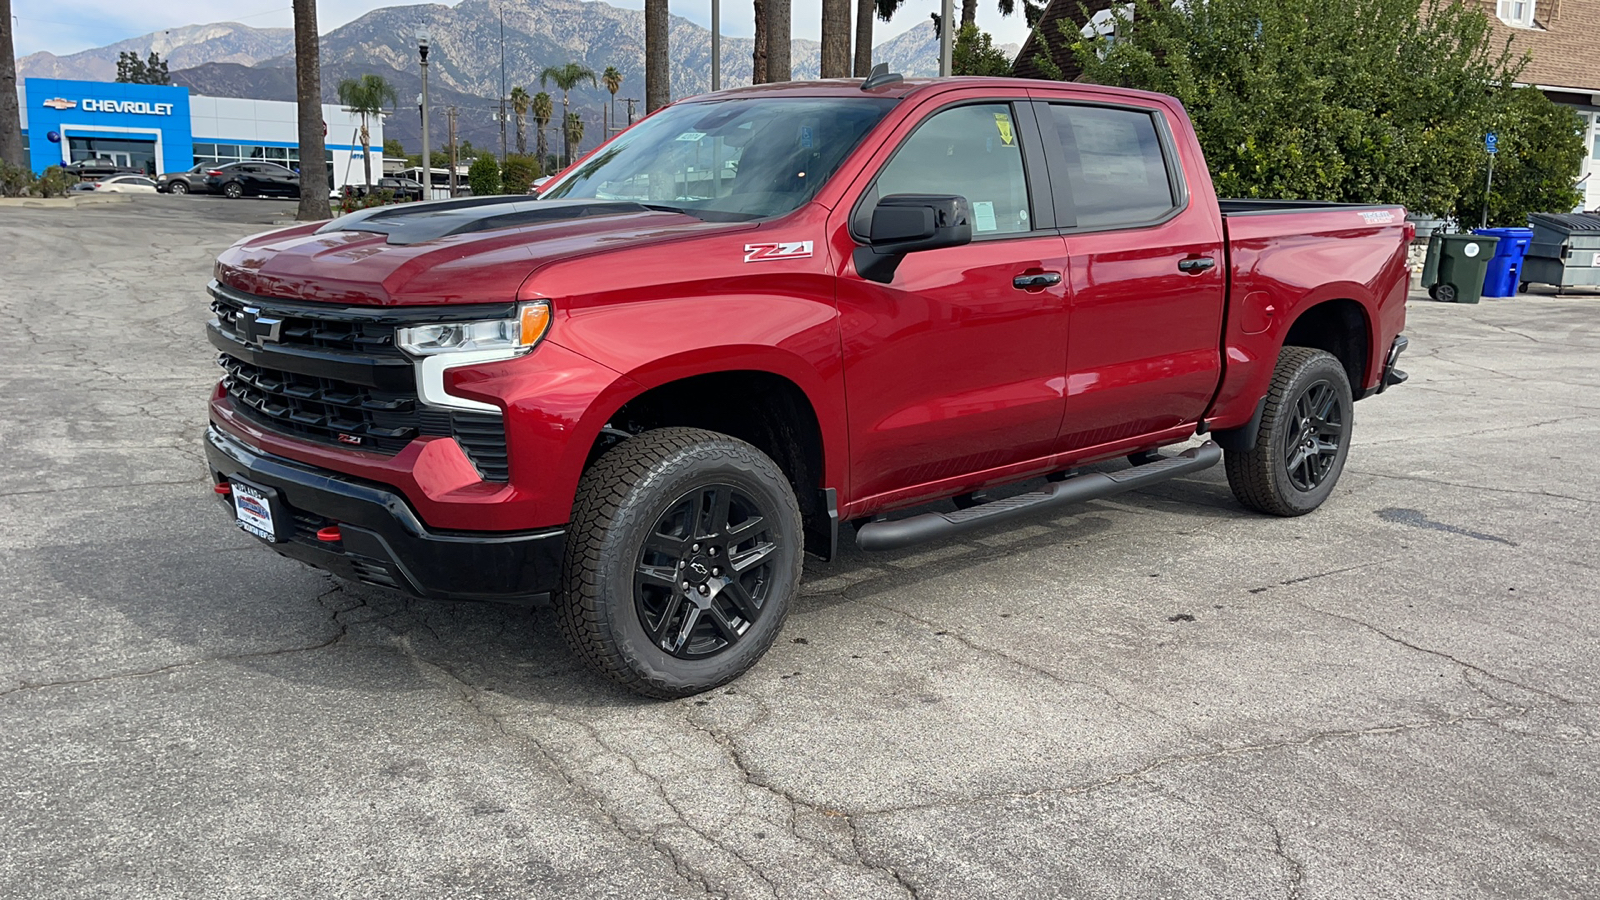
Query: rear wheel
x=178 y=187
x=684 y=552
x=1304 y=438
x=233 y=190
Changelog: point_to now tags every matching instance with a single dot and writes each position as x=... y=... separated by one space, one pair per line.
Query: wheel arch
x=1342 y=327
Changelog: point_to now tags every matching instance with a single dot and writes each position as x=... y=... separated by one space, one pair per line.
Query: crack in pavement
x=188 y=664
x=1475 y=487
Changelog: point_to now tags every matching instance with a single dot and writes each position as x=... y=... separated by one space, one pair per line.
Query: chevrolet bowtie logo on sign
x=61 y=103
x=256 y=328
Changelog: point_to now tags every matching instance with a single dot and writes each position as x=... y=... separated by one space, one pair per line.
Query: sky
x=68 y=26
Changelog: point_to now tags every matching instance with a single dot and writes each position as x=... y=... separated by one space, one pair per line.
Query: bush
x=484 y=176
x=351 y=199
x=15 y=181
x=54 y=182
x=518 y=175
x=974 y=53
x=1541 y=153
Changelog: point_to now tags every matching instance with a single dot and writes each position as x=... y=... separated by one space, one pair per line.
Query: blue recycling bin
x=1505 y=267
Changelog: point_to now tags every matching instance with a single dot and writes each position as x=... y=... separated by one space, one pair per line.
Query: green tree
x=974 y=53
x=484 y=176
x=1387 y=107
x=1541 y=152
x=367 y=96
x=133 y=70
x=393 y=147
x=543 y=111
x=520 y=101
x=566 y=78
x=310 y=127
x=518 y=175
x=573 y=131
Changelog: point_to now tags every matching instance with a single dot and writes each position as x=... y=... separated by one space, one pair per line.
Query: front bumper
x=382 y=542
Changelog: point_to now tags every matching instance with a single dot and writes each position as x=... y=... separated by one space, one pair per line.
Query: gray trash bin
x=1565 y=251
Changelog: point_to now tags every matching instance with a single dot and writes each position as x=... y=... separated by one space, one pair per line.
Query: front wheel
x=1304 y=437
x=684 y=552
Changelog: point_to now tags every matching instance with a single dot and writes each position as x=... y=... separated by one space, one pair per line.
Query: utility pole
x=947 y=25
x=630 y=101
x=450 y=114
x=427 y=158
x=502 y=86
x=11 y=150
x=716 y=45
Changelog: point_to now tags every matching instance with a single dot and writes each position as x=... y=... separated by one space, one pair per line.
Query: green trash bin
x=1456 y=264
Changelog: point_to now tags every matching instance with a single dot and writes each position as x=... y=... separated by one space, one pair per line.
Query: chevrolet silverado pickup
x=764 y=316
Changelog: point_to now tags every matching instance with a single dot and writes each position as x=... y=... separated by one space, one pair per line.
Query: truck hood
x=476 y=250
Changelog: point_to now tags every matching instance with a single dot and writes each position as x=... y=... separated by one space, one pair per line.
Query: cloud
x=75 y=25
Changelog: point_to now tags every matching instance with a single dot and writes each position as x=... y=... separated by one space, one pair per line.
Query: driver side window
x=973 y=151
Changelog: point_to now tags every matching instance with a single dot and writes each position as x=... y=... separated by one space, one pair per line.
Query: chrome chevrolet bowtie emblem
x=256 y=328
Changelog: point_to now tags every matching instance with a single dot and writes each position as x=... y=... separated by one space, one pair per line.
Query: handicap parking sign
x=1491 y=142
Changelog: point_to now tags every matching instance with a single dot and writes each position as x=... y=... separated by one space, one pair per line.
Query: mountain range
x=232 y=60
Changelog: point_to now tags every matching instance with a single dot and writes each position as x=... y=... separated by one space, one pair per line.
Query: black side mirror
x=907 y=223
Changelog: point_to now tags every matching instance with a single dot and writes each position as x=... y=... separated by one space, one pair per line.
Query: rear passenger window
x=972 y=151
x=1115 y=166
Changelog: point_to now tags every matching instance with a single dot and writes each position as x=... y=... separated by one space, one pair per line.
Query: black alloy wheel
x=704 y=573
x=1317 y=436
x=1300 y=448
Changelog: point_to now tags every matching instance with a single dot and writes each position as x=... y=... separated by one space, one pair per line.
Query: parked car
x=83 y=187
x=189 y=181
x=253 y=179
x=125 y=184
x=99 y=168
x=648 y=393
x=403 y=188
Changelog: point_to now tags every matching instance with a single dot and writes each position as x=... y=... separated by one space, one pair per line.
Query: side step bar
x=899 y=533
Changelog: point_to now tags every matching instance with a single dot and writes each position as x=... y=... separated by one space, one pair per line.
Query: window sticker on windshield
x=1002 y=122
x=691 y=135
x=983 y=215
x=805 y=137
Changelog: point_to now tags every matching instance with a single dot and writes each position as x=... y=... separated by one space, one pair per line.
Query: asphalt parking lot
x=1156 y=696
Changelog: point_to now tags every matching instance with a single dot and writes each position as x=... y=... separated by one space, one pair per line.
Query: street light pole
x=427 y=159
x=947 y=10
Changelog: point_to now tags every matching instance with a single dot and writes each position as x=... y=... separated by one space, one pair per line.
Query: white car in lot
x=125 y=184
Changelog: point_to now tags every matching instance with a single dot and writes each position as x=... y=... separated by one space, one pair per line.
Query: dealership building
x=160 y=128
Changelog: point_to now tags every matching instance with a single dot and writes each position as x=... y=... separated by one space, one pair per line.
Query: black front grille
x=270 y=392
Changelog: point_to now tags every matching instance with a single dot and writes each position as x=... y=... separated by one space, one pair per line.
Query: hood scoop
x=416 y=223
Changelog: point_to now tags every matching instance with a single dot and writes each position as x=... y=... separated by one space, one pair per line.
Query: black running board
x=893 y=535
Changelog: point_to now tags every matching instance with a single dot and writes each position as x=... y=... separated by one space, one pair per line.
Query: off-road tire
x=233 y=190
x=1261 y=477
x=619 y=503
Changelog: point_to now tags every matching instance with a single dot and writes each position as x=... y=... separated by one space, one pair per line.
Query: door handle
x=1036 y=280
x=1196 y=264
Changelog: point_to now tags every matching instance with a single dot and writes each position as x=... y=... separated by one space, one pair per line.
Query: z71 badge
x=777 y=250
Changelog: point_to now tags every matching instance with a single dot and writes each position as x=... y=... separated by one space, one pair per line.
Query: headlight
x=512 y=336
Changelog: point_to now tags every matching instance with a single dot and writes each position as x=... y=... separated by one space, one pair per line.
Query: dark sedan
x=253 y=179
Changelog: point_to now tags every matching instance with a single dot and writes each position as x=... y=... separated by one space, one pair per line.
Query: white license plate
x=253 y=511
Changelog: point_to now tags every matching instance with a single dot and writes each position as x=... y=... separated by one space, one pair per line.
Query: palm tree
x=657 y=77
x=758 y=59
x=11 y=152
x=779 y=28
x=543 y=111
x=568 y=77
x=885 y=10
x=366 y=97
x=574 y=133
x=520 y=100
x=835 y=38
x=612 y=79
x=311 y=128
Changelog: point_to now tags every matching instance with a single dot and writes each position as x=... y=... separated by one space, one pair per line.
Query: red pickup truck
x=762 y=313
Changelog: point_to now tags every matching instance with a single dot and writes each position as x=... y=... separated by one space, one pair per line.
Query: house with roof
x=1561 y=37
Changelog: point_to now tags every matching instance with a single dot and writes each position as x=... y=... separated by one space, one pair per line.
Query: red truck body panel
x=945 y=380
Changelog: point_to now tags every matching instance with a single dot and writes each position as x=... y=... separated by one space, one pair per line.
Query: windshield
x=742 y=158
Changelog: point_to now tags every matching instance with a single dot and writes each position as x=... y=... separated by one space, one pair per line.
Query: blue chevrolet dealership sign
x=145 y=125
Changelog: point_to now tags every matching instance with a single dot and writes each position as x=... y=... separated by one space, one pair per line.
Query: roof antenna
x=881 y=76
